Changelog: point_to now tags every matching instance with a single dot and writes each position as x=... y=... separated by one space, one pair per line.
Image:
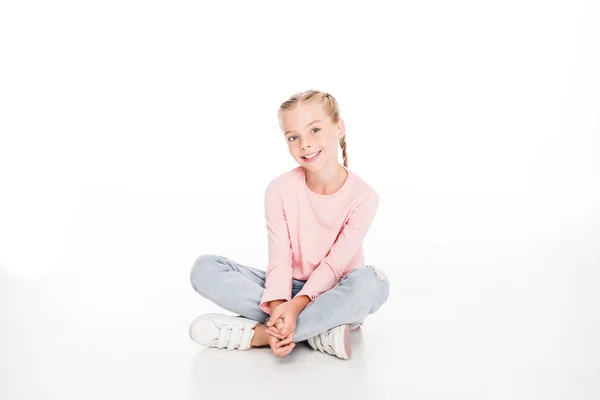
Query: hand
x=280 y=347
x=275 y=340
x=283 y=319
x=273 y=304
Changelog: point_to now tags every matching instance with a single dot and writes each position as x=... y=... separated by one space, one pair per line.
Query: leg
x=230 y=285
x=353 y=298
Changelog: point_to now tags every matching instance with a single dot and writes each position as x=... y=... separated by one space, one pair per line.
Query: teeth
x=311 y=155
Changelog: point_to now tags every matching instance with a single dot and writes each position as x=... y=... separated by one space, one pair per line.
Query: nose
x=304 y=144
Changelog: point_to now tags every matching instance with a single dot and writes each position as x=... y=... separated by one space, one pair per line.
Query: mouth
x=311 y=157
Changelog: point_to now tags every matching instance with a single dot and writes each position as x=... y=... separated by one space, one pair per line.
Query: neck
x=328 y=179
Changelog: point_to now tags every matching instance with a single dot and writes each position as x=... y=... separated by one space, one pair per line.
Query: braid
x=344 y=152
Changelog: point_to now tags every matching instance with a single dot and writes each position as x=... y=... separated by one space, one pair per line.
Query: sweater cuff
x=270 y=295
x=321 y=280
x=307 y=292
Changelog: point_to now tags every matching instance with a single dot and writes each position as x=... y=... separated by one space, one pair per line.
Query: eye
x=311 y=131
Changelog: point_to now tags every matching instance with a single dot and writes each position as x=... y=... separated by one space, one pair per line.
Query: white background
x=135 y=136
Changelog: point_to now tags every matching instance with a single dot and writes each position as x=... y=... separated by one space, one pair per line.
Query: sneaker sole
x=343 y=343
x=347 y=346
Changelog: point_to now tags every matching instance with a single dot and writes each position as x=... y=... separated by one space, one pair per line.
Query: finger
x=284 y=324
x=273 y=329
x=287 y=350
x=274 y=316
x=289 y=332
x=287 y=327
x=290 y=348
x=275 y=349
x=289 y=335
x=281 y=326
x=281 y=351
x=275 y=333
x=285 y=342
x=273 y=342
x=278 y=336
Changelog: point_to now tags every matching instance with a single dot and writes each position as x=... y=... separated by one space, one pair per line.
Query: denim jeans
x=238 y=288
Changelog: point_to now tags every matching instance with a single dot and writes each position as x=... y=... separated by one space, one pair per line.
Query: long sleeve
x=278 y=284
x=347 y=244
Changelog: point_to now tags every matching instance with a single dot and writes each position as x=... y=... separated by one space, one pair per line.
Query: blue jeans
x=238 y=288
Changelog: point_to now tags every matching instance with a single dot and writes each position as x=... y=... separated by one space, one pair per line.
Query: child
x=316 y=286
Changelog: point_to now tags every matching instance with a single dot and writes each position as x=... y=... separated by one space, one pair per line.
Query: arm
x=347 y=244
x=300 y=302
x=278 y=283
x=273 y=305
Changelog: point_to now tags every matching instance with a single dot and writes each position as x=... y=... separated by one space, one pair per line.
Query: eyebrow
x=307 y=125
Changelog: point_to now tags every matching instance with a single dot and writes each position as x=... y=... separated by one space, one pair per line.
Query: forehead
x=303 y=114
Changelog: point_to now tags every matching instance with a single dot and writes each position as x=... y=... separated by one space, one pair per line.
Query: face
x=306 y=137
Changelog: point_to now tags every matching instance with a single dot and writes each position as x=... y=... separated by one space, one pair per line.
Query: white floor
x=122 y=335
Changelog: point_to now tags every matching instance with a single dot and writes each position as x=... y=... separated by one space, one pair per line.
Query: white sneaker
x=355 y=325
x=223 y=331
x=335 y=341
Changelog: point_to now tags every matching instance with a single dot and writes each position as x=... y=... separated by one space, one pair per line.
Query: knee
x=374 y=287
x=382 y=290
x=201 y=270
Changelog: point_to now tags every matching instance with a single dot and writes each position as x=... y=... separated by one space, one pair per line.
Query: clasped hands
x=282 y=324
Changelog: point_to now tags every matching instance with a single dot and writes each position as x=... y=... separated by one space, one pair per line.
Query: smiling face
x=309 y=131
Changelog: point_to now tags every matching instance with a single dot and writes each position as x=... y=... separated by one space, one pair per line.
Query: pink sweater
x=313 y=237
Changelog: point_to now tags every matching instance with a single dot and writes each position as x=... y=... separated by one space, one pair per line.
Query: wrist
x=300 y=302
x=273 y=304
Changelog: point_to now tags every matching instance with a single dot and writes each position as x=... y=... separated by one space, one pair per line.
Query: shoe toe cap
x=203 y=330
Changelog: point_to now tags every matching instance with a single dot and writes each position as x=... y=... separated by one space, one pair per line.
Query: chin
x=312 y=166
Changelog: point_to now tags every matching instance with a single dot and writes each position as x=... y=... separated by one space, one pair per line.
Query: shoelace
x=233 y=336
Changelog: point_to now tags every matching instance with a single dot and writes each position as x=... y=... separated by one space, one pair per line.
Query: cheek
x=326 y=144
x=293 y=148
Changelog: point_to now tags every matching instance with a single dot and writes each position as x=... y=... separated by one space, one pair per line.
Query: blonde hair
x=330 y=105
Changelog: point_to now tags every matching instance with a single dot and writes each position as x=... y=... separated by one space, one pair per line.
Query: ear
x=341 y=129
